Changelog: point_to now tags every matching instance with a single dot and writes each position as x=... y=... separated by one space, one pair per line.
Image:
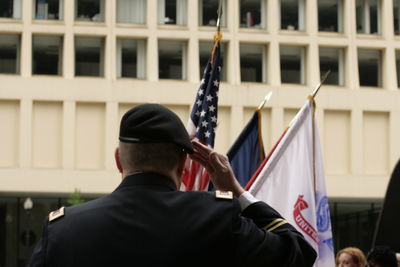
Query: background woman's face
x=345 y=260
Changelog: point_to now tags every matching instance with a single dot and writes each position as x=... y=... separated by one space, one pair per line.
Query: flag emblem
x=301 y=222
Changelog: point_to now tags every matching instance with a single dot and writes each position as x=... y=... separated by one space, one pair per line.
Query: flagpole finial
x=266 y=99
x=323 y=79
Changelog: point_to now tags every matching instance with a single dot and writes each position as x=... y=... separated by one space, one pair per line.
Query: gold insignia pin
x=223 y=194
x=56 y=214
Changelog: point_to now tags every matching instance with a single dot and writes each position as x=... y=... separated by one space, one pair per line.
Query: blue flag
x=247 y=153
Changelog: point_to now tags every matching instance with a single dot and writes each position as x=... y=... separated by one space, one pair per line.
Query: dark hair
x=383 y=256
x=162 y=156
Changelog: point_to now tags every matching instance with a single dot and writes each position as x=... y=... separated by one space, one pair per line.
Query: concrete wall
x=59 y=133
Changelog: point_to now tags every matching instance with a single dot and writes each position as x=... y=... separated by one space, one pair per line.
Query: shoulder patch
x=223 y=194
x=56 y=214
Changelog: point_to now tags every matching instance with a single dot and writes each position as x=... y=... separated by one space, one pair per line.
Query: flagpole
x=320 y=83
x=218 y=35
x=219 y=12
x=266 y=99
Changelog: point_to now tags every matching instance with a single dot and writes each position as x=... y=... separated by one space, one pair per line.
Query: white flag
x=292 y=181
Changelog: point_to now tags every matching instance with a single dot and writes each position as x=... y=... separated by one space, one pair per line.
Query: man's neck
x=170 y=175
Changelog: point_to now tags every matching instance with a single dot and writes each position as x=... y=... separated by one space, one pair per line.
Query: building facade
x=70 y=69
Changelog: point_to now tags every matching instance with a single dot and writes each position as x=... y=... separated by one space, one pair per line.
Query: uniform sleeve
x=264 y=238
x=39 y=253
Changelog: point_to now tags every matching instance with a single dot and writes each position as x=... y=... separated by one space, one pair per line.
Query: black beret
x=154 y=123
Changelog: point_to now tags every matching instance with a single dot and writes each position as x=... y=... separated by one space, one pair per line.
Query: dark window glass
x=367 y=16
x=369 y=67
x=208 y=15
x=171 y=60
x=292 y=64
x=328 y=15
x=131 y=58
x=9 y=53
x=398 y=67
x=251 y=12
x=290 y=17
x=354 y=222
x=48 y=9
x=46 y=55
x=251 y=63
x=330 y=59
x=205 y=49
x=89 y=56
x=90 y=10
x=396 y=16
x=6 y=8
x=21 y=229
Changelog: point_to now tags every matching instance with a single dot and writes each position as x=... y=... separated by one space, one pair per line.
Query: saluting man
x=147 y=221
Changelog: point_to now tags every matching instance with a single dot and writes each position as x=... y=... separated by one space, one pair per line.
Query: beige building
x=71 y=68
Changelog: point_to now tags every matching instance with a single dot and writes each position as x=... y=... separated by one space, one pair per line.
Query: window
x=332 y=59
x=292 y=15
x=48 y=9
x=398 y=67
x=368 y=16
x=47 y=55
x=9 y=53
x=292 y=64
x=10 y=9
x=89 y=56
x=252 y=13
x=330 y=15
x=208 y=13
x=172 y=12
x=252 y=63
x=171 y=60
x=396 y=16
x=131 y=11
x=131 y=58
x=89 y=10
x=369 y=67
x=205 y=49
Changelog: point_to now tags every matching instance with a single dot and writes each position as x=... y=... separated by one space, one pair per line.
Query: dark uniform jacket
x=147 y=222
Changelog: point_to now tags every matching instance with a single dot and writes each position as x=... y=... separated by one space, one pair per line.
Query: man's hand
x=217 y=165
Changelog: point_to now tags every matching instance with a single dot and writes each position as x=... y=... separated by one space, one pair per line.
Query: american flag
x=203 y=121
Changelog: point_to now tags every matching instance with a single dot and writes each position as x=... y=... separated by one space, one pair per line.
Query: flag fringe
x=217 y=38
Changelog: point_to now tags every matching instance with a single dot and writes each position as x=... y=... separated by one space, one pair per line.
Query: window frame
x=303 y=63
x=140 y=58
x=224 y=19
x=263 y=16
x=341 y=64
x=138 y=7
x=17 y=54
x=102 y=14
x=60 y=55
x=366 y=17
x=264 y=61
x=379 y=66
x=101 y=55
x=184 y=58
x=301 y=12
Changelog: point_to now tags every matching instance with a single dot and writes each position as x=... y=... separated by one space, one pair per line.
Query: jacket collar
x=147 y=179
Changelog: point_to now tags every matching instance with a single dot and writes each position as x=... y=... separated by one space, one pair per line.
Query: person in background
x=381 y=256
x=350 y=257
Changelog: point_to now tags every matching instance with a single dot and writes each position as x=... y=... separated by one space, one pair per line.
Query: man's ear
x=117 y=160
